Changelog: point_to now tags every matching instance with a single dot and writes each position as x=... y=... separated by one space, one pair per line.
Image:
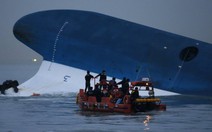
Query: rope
x=180 y=68
x=138 y=72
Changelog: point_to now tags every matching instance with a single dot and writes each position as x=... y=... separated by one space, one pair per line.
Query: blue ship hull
x=93 y=41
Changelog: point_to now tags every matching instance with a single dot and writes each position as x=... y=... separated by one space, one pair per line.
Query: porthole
x=189 y=53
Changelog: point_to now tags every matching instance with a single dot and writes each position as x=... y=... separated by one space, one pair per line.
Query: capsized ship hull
x=93 y=41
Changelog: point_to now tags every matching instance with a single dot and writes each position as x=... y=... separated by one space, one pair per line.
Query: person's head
x=103 y=72
x=114 y=78
x=88 y=72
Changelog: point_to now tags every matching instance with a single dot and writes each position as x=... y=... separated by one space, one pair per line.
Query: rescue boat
x=113 y=102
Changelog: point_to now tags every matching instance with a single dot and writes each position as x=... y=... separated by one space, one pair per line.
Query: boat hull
x=93 y=41
x=89 y=103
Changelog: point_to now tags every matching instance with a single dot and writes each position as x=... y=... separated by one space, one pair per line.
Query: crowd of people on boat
x=109 y=88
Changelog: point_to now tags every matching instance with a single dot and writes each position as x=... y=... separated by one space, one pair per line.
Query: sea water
x=59 y=113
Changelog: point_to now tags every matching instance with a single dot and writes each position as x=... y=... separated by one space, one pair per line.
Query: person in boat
x=119 y=97
x=116 y=95
x=90 y=91
x=102 y=78
x=122 y=81
x=88 y=78
x=105 y=92
x=97 y=92
x=112 y=84
x=124 y=86
x=134 y=94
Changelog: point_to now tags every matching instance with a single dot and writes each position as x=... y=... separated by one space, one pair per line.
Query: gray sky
x=191 y=18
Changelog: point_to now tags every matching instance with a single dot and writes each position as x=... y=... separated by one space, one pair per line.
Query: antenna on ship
x=180 y=67
x=55 y=44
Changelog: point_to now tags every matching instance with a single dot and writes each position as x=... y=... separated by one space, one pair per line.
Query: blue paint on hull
x=93 y=41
